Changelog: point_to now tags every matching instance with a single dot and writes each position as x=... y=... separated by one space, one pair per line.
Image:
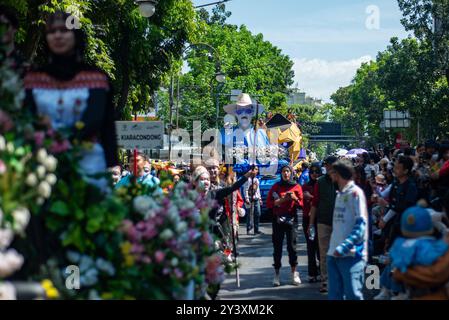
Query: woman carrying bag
x=285 y=198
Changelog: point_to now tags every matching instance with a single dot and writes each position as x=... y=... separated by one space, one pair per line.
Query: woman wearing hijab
x=72 y=96
x=285 y=198
x=313 y=254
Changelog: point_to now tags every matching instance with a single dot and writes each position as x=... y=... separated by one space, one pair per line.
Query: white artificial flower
x=105 y=266
x=166 y=234
x=73 y=256
x=173 y=213
x=51 y=179
x=7 y=291
x=51 y=163
x=41 y=155
x=142 y=204
x=149 y=214
x=86 y=262
x=41 y=172
x=90 y=277
x=174 y=262
x=44 y=189
x=93 y=295
x=181 y=227
x=19 y=98
x=31 y=180
x=6 y=236
x=40 y=201
x=188 y=205
x=10 y=262
x=10 y=147
x=2 y=143
x=21 y=218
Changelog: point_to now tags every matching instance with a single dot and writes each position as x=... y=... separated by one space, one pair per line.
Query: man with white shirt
x=252 y=198
x=348 y=248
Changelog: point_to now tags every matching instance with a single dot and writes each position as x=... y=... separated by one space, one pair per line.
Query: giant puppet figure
x=244 y=142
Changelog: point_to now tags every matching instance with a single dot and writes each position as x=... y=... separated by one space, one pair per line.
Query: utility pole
x=171 y=103
x=177 y=104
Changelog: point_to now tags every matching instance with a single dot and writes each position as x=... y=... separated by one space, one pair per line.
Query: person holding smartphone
x=285 y=198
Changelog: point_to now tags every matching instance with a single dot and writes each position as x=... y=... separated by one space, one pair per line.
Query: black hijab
x=290 y=182
x=65 y=68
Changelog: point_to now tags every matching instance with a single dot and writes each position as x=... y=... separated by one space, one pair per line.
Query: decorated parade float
x=63 y=237
x=278 y=141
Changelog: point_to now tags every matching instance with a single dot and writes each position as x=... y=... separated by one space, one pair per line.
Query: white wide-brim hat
x=243 y=101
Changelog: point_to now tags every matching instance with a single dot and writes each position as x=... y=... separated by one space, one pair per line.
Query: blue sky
x=326 y=39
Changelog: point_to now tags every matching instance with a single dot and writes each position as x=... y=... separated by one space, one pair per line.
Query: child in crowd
x=417 y=247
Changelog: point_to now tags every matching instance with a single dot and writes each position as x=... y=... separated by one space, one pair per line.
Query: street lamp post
x=147 y=7
x=211 y=4
x=220 y=78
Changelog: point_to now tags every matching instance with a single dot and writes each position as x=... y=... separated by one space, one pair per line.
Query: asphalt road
x=256 y=271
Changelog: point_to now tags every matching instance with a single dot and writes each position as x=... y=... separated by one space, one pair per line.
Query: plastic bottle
x=311 y=233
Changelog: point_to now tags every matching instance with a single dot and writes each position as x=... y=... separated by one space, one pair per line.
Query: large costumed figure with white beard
x=243 y=145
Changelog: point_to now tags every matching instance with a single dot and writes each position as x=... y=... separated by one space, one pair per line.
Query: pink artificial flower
x=214 y=270
x=158 y=220
x=146 y=259
x=184 y=213
x=6 y=123
x=133 y=234
x=126 y=225
x=137 y=248
x=165 y=202
x=140 y=225
x=50 y=132
x=159 y=256
x=39 y=137
x=207 y=239
x=165 y=271
x=2 y=167
x=178 y=273
x=59 y=147
x=149 y=234
x=192 y=234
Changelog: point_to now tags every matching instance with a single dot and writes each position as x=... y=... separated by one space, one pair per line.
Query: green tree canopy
x=249 y=62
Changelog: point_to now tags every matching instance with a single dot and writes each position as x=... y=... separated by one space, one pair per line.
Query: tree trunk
x=33 y=33
x=124 y=63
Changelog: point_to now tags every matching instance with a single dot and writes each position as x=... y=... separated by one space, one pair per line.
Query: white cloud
x=321 y=78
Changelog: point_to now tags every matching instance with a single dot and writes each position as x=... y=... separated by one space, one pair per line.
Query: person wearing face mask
x=70 y=95
x=285 y=198
x=143 y=177
x=201 y=183
x=213 y=166
x=116 y=174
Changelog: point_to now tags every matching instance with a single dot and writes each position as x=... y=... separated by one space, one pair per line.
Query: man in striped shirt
x=347 y=255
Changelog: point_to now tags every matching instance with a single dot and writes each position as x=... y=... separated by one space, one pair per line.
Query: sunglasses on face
x=244 y=111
